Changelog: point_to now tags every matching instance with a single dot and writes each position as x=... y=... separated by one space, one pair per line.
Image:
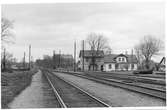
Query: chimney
x=132 y=55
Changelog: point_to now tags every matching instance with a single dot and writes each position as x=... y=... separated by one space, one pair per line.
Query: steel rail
x=61 y=102
x=119 y=80
x=132 y=78
x=121 y=85
x=124 y=82
x=72 y=84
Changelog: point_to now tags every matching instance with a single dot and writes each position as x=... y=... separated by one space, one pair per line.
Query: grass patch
x=13 y=83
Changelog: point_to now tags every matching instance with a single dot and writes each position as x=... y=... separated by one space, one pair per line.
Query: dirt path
x=37 y=95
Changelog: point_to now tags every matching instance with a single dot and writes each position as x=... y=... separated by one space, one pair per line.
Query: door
x=101 y=67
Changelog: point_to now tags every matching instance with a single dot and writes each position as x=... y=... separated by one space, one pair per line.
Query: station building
x=109 y=62
x=85 y=58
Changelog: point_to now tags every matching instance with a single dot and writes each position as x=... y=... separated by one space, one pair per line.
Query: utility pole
x=59 y=58
x=132 y=55
x=74 y=56
x=4 y=60
x=32 y=61
x=29 y=56
x=24 y=60
x=132 y=65
x=83 y=57
x=54 y=59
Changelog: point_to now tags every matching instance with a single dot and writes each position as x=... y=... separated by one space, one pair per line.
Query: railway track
x=157 y=93
x=134 y=75
x=133 y=83
x=134 y=78
x=70 y=95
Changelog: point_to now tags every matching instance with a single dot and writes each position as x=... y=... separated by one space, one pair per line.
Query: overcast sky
x=49 y=27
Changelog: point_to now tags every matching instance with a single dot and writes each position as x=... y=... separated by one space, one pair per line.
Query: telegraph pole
x=54 y=59
x=74 y=56
x=32 y=61
x=132 y=65
x=4 y=60
x=132 y=54
x=59 y=58
x=83 y=56
x=29 y=56
x=24 y=60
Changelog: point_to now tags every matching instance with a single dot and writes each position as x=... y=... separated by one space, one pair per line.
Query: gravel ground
x=116 y=97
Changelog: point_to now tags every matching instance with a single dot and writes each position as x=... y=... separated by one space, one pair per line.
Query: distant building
x=65 y=60
x=110 y=62
x=62 y=61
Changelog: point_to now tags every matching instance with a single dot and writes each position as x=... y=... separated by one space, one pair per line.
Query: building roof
x=111 y=58
x=88 y=53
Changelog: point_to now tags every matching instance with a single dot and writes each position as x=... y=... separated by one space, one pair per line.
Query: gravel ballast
x=114 y=96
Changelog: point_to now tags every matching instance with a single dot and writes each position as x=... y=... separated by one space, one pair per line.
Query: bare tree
x=6 y=31
x=138 y=55
x=6 y=37
x=148 y=47
x=6 y=59
x=97 y=42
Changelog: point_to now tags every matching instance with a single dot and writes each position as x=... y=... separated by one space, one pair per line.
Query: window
x=119 y=59
x=123 y=59
x=132 y=66
x=109 y=66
